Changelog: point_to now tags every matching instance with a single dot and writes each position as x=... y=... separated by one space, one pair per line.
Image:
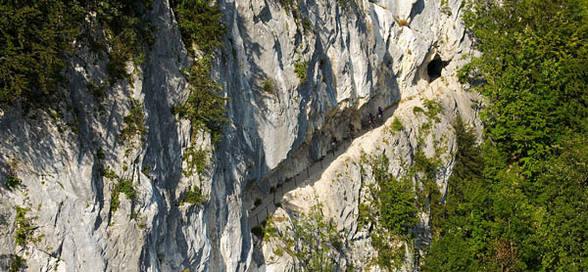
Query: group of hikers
x=352 y=130
x=371 y=121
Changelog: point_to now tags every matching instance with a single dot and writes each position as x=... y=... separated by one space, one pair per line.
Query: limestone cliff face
x=330 y=63
x=361 y=55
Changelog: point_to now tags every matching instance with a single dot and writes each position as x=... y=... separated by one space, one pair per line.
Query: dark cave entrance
x=435 y=67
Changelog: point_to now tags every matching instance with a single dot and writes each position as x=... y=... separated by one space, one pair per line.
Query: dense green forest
x=37 y=37
x=518 y=201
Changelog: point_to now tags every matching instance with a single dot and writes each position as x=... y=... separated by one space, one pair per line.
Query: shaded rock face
x=330 y=63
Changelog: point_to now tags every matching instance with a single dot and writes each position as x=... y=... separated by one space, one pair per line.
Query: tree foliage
x=193 y=196
x=128 y=33
x=395 y=200
x=122 y=185
x=24 y=227
x=33 y=36
x=533 y=69
x=205 y=107
x=17 y=263
x=300 y=68
x=518 y=201
x=13 y=182
x=134 y=122
x=389 y=208
x=200 y=24
x=36 y=38
x=201 y=27
x=196 y=161
x=313 y=241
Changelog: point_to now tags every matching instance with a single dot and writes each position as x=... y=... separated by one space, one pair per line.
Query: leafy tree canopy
x=518 y=201
x=37 y=36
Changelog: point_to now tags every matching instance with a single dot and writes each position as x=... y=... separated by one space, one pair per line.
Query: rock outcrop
x=330 y=64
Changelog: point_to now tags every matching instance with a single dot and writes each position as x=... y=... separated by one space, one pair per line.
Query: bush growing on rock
x=201 y=25
x=313 y=241
x=300 y=68
x=195 y=160
x=122 y=186
x=268 y=86
x=17 y=263
x=24 y=227
x=13 y=182
x=193 y=196
x=134 y=122
x=396 y=124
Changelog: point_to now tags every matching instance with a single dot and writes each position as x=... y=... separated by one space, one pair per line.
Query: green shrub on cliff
x=201 y=25
x=193 y=196
x=300 y=68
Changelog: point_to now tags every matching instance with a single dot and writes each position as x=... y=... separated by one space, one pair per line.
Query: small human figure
x=351 y=130
x=372 y=123
x=333 y=144
x=380 y=114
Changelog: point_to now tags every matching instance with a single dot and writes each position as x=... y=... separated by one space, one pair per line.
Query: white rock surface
x=339 y=186
x=401 y=55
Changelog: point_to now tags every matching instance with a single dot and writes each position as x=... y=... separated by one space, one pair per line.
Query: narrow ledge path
x=260 y=212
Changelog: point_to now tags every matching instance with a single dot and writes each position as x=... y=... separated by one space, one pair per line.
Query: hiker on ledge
x=380 y=115
x=372 y=123
x=333 y=145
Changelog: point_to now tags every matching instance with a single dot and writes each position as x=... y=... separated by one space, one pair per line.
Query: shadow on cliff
x=257 y=77
x=280 y=185
x=417 y=8
x=162 y=152
x=239 y=156
x=45 y=139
